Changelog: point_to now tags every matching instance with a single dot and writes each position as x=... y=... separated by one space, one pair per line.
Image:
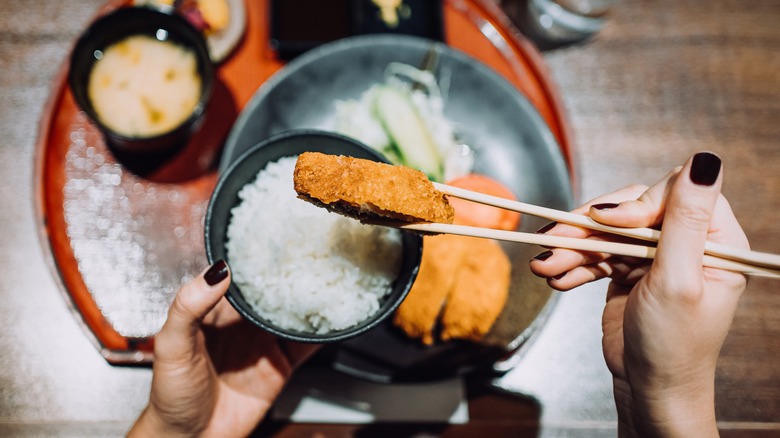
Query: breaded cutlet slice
x=479 y=292
x=368 y=190
x=418 y=313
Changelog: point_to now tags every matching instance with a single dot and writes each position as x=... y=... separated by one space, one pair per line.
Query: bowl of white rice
x=299 y=271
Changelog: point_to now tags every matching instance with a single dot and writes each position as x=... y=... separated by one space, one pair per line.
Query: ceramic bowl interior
x=120 y=24
x=244 y=170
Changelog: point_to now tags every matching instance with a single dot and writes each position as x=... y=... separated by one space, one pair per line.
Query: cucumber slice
x=407 y=130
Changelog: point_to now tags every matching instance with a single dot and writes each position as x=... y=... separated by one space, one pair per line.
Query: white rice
x=302 y=267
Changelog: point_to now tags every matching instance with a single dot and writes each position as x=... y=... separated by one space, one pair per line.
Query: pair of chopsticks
x=716 y=255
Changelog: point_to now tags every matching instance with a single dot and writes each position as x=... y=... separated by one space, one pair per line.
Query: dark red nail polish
x=559 y=276
x=705 y=168
x=605 y=206
x=546 y=228
x=216 y=273
x=544 y=256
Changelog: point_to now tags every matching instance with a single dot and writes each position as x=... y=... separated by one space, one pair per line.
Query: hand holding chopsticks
x=663 y=323
x=719 y=256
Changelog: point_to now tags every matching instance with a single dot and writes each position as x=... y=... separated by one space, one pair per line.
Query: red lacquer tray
x=121 y=243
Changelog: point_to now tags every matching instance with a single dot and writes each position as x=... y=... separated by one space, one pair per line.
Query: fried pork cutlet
x=368 y=190
x=418 y=313
x=463 y=283
x=479 y=292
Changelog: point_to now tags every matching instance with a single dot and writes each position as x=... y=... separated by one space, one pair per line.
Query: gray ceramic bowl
x=244 y=170
x=114 y=27
x=513 y=145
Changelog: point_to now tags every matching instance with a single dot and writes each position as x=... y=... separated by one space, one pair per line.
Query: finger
x=554 y=262
x=626 y=193
x=557 y=260
x=646 y=210
x=623 y=274
x=579 y=276
x=686 y=222
x=177 y=338
x=564 y=230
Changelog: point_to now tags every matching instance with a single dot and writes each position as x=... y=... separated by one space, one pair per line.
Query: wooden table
x=664 y=80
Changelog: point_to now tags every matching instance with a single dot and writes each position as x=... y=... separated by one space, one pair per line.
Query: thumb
x=686 y=222
x=191 y=304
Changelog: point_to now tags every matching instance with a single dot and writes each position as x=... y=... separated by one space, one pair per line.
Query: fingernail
x=705 y=168
x=559 y=276
x=546 y=228
x=544 y=256
x=216 y=273
x=605 y=206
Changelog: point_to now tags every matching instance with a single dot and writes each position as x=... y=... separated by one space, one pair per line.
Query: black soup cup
x=244 y=170
x=118 y=25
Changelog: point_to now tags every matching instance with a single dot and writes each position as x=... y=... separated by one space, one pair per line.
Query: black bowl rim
x=336 y=336
x=201 y=48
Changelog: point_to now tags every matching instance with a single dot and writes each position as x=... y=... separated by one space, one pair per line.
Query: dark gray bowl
x=244 y=170
x=114 y=27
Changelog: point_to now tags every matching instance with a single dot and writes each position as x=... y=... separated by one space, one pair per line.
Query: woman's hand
x=214 y=374
x=664 y=323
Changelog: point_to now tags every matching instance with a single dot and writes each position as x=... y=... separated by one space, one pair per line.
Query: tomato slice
x=480 y=215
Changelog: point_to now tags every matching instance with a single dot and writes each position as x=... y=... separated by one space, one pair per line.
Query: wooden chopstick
x=623 y=249
x=745 y=257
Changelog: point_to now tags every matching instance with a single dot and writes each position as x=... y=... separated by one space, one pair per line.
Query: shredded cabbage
x=355 y=118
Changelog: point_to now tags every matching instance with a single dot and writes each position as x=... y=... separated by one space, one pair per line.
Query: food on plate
x=215 y=12
x=418 y=313
x=368 y=190
x=480 y=215
x=460 y=290
x=403 y=117
x=208 y=16
x=414 y=143
x=222 y=22
x=389 y=11
x=463 y=282
x=142 y=87
x=479 y=292
x=302 y=268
